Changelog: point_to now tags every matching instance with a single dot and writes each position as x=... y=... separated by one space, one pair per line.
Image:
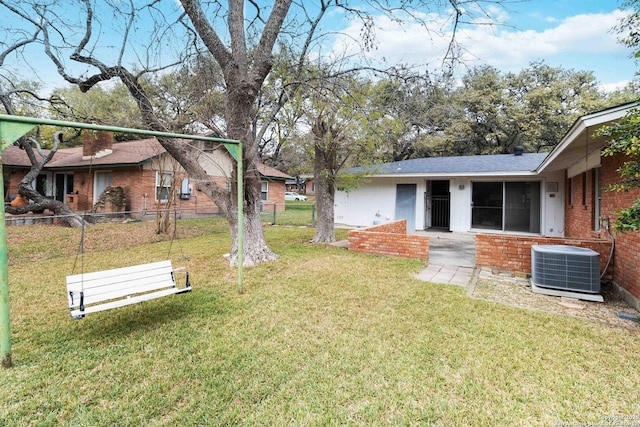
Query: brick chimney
x=96 y=144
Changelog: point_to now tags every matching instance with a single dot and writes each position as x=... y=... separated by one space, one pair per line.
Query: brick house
x=512 y=201
x=272 y=187
x=302 y=184
x=78 y=176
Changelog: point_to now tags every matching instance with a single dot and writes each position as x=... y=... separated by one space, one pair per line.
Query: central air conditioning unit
x=565 y=268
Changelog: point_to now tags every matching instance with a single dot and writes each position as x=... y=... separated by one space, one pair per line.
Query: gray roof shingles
x=485 y=164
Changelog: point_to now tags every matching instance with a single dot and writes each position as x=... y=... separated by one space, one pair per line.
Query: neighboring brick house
x=272 y=187
x=512 y=202
x=302 y=184
x=78 y=176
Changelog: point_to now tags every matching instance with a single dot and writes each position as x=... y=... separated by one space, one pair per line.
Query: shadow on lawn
x=145 y=317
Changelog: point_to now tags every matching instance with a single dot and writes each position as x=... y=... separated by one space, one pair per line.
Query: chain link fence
x=290 y=213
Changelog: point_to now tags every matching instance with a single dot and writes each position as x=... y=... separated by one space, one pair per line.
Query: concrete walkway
x=452 y=258
x=447 y=274
x=457 y=249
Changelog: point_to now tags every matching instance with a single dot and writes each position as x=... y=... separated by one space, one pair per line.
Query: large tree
x=338 y=117
x=150 y=37
x=532 y=108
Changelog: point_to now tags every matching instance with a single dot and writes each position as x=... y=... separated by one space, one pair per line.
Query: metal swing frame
x=13 y=128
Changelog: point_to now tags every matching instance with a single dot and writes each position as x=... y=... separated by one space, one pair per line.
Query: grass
x=321 y=336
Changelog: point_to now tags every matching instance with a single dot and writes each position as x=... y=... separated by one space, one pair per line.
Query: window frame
x=597 y=197
x=504 y=206
x=570 y=192
x=159 y=188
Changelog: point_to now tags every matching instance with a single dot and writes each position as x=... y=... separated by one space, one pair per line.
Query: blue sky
x=572 y=34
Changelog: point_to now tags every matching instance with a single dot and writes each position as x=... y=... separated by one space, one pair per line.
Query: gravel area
x=516 y=291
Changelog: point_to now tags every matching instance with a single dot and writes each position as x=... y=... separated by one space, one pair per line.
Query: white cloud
x=612 y=87
x=581 y=42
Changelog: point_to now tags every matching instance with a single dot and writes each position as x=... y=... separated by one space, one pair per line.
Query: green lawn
x=320 y=337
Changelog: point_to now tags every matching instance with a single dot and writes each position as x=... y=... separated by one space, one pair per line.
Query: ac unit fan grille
x=566 y=268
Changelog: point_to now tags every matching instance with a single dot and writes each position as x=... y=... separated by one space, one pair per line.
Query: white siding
x=460 y=204
x=375 y=201
x=553 y=206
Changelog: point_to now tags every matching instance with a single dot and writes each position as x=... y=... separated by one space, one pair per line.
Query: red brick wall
x=275 y=195
x=15 y=176
x=627 y=251
x=513 y=253
x=578 y=215
x=136 y=182
x=389 y=239
x=200 y=202
x=82 y=187
x=95 y=141
x=579 y=222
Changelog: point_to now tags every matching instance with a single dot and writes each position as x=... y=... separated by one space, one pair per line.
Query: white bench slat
x=118 y=287
x=123 y=271
x=106 y=294
x=127 y=301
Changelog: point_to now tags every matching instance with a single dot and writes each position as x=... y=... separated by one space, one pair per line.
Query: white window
x=264 y=191
x=570 y=195
x=102 y=181
x=506 y=206
x=163 y=186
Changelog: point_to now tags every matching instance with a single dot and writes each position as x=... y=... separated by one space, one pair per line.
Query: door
x=406 y=204
x=63 y=186
x=438 y=205
x=59 y=187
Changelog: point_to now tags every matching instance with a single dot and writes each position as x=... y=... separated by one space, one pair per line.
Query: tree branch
x=207 y=33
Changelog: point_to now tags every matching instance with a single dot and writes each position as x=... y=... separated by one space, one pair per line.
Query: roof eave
x=277 y=178
x=581 y=125
x=99 y=166
x=455 y=174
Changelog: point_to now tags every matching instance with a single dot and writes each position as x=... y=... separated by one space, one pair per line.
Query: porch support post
x=9 y=132
x=240 y=233
x=5 y=328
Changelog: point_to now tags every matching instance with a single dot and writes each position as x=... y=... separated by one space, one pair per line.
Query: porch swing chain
x=80 y=254
x=174 y=235
x=81 y=249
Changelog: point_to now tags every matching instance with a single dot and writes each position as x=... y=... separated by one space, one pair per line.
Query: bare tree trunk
x=239 y=107
x=68 y=216
x=324 y=166
x=325 y=199
x=255 y=247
